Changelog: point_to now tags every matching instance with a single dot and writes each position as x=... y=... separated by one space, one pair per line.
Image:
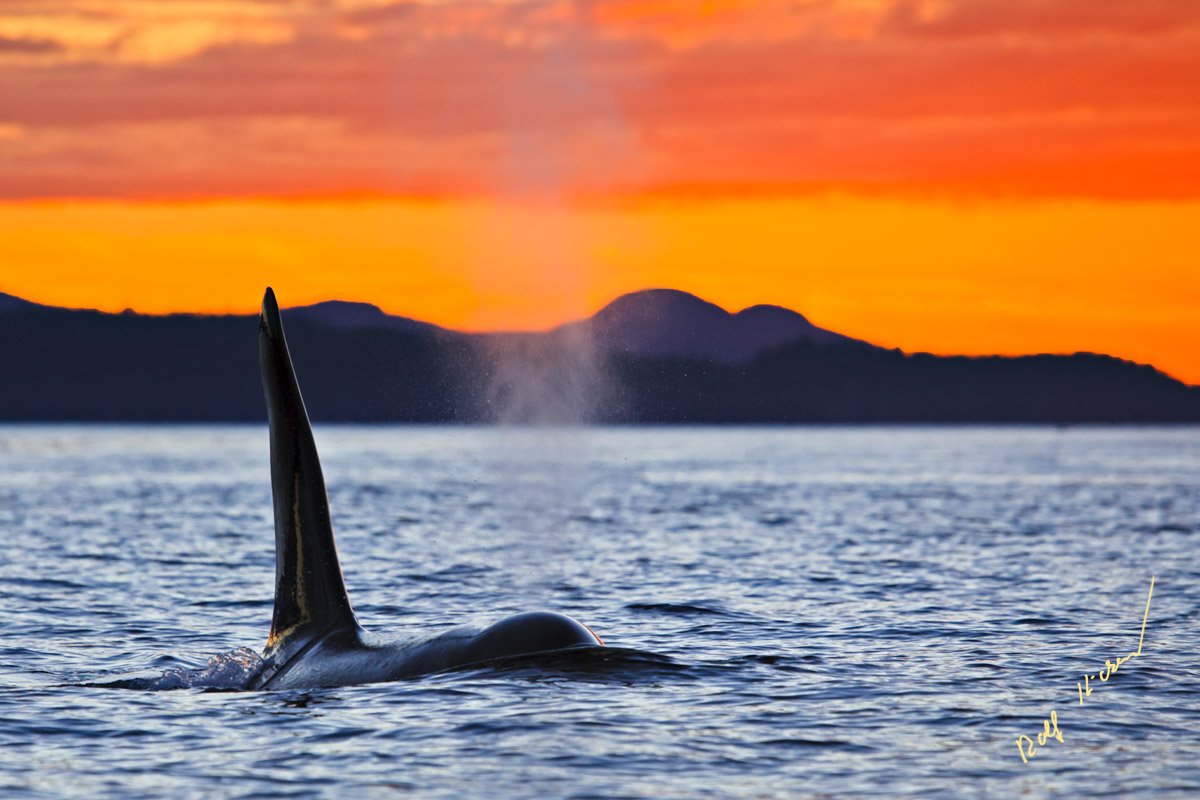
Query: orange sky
x=947 y=175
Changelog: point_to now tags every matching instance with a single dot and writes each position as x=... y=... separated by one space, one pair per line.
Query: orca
x=315 y=639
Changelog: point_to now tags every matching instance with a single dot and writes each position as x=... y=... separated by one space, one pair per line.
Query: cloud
x=1043 y=18
x=619 y=96
x=30 y=46
x=371 y=16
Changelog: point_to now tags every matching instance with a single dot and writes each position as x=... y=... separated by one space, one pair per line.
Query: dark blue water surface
x=801 y=612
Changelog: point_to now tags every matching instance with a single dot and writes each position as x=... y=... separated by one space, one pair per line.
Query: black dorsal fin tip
x=310 y=595
x=268 y=320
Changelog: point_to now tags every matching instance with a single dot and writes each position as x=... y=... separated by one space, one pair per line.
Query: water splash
x=231 y=670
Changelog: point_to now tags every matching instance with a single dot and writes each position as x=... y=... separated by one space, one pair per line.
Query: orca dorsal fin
x=310 y=595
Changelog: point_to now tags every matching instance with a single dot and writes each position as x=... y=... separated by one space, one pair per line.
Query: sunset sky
x=956 y=176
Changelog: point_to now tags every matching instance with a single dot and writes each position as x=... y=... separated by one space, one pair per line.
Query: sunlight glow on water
x=838 y=611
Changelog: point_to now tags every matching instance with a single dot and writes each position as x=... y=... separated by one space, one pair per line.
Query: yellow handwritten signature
x=1050 y=729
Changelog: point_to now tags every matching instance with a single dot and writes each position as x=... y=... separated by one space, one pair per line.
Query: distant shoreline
x=654 y=357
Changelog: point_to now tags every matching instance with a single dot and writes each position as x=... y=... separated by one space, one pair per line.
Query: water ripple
x=791 y=612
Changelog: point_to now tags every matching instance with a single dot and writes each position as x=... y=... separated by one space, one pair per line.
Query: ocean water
x=795 y=612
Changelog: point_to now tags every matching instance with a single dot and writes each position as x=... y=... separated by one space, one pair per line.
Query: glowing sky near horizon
x=946 y=175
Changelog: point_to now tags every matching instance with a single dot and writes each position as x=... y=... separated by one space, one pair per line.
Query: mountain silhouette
x=654 y=356
x=344 y=314
x=10 y=303
x=670 y=323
